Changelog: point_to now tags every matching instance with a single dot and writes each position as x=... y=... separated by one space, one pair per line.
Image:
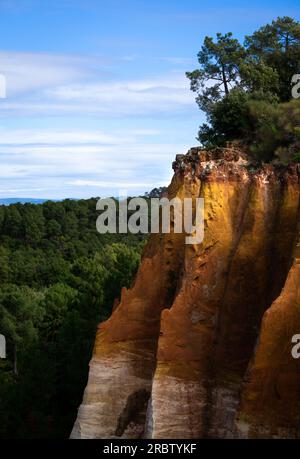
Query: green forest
x=58 y=280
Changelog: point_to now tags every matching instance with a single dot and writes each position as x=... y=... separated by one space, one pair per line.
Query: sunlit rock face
x=200 y=346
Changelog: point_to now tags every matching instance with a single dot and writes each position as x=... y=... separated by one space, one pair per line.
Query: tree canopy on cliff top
x=241 y=87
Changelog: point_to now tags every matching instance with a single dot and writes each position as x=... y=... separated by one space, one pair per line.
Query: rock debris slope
x=200 y=346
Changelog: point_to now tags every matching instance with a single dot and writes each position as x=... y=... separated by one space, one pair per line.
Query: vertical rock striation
x=271 y=397
x=200 y=346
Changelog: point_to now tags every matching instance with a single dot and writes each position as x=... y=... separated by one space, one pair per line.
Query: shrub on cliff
x=231 y=118
x=276 y=131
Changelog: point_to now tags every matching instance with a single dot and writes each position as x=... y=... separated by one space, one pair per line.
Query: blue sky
x=97 y=99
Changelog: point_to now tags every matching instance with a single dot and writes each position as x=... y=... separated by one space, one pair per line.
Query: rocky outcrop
x=200 y=346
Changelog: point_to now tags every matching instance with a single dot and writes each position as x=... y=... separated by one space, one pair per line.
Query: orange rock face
x=271 y=396
x=200 y=346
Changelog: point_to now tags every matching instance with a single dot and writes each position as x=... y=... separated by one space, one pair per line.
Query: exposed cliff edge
x=200 y=346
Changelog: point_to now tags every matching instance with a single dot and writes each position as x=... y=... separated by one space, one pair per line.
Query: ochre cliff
x=200 y=346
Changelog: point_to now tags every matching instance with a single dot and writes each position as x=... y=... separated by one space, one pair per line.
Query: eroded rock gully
x=200 y=346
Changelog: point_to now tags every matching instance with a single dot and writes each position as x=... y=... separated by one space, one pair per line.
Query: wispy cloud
x=103 y=184
x=179 y=60
x=56 y=163
x=64 y=84
x=33 y=72
x=129 y=97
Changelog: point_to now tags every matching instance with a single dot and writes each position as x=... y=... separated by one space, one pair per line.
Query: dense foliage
x=58 y=280
x=244 y=88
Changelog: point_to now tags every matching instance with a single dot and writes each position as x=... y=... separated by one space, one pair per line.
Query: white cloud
x=179 y=60
x=53 y=84
x=56 y=163
x=103 y=184
x=134 y=97
x=31 y=136
x=34 y=71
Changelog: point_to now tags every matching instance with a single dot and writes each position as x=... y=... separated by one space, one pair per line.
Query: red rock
x=179 y=356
